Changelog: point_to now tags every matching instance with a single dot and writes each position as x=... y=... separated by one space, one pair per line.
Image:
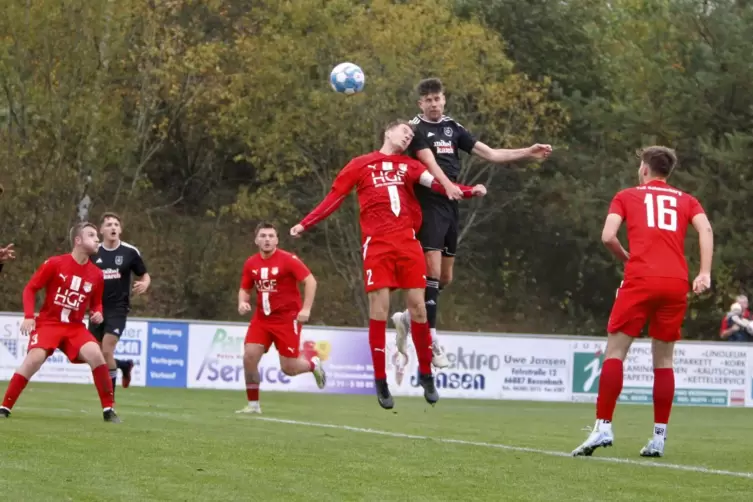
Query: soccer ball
x=347 y=78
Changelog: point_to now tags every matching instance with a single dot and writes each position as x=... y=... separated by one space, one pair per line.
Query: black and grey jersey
x=117 y=265
x=445 y=138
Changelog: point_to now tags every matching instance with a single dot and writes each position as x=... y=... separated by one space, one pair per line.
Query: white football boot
x=601 y=436
x=401 y=320
x=654 y=448
x=319 y=373
x=251 y=408
x=439 y=358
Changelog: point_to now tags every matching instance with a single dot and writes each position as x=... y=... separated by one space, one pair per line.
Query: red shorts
x=660 y=301
x=397 y=263
x=69 y=339
x=286 y=335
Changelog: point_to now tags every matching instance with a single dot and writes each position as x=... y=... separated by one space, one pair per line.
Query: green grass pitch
x=189 y=445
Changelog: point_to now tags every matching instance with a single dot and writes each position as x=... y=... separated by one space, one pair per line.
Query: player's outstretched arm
x=427 y=158
x=467 y=192
x=706 y=244
x=503 y=155
x=6 y=253
x=609 y=237
x=329 y=205
x=345 y=181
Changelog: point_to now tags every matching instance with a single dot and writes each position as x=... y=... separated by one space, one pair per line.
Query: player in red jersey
x=71 y=283
x=392 y=256
x=279 y=315
x=654 y=289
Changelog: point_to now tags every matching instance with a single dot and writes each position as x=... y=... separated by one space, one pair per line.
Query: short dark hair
x=429 y=86
x=264 y=225
x=109 y=214
x=659 y=159
x=77 y=229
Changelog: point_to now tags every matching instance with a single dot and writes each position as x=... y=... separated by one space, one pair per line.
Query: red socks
x=104 y=385
x=252 y=391
x=664 y=393
x=610 y=387
x=422 y=341
x=377 y=342
x=15 y=388
x=101 y=380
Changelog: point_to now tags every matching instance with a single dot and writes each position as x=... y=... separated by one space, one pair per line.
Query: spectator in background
x=736 y=325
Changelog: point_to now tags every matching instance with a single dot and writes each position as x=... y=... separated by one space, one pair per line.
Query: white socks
x=660 y=432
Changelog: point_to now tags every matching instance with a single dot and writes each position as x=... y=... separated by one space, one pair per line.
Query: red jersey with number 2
x=69 y=289
x=657 y=217
x=276 y=282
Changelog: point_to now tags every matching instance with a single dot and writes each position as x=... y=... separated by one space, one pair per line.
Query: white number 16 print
x=661 y=212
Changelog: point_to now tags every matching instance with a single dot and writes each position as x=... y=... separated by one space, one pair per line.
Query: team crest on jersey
x=118 y=260
x=87 y=287
x=448 y=132
x=402 y=167
x=275 y=270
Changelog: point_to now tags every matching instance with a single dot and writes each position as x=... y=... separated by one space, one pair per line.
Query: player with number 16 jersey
x=657 y=216
x=654 y=290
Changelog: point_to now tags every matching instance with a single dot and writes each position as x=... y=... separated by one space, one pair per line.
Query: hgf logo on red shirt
x=71 y=297
x=266 y=285
x=388 y=175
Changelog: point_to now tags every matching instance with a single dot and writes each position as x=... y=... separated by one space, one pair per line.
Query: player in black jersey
x=436 y=143
x=118 y=260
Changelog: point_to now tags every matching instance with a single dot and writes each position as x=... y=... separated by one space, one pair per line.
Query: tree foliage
x=195 y=120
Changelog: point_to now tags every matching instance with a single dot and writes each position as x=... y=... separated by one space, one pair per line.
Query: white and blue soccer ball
x=347 y=78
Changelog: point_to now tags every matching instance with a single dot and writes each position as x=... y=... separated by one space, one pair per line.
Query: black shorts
x=114 y=324
x=439 y=230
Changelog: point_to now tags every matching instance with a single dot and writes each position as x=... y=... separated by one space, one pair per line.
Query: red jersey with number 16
x=69 y=288
x=657 y=217
x=276 y=281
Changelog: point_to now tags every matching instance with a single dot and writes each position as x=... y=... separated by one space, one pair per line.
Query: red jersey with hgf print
x=69 y=289
x=384 y=184
x=657 y=217
x=276 y=281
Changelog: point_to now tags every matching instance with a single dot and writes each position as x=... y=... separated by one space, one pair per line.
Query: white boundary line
x=614 y=460
x=549 y=453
